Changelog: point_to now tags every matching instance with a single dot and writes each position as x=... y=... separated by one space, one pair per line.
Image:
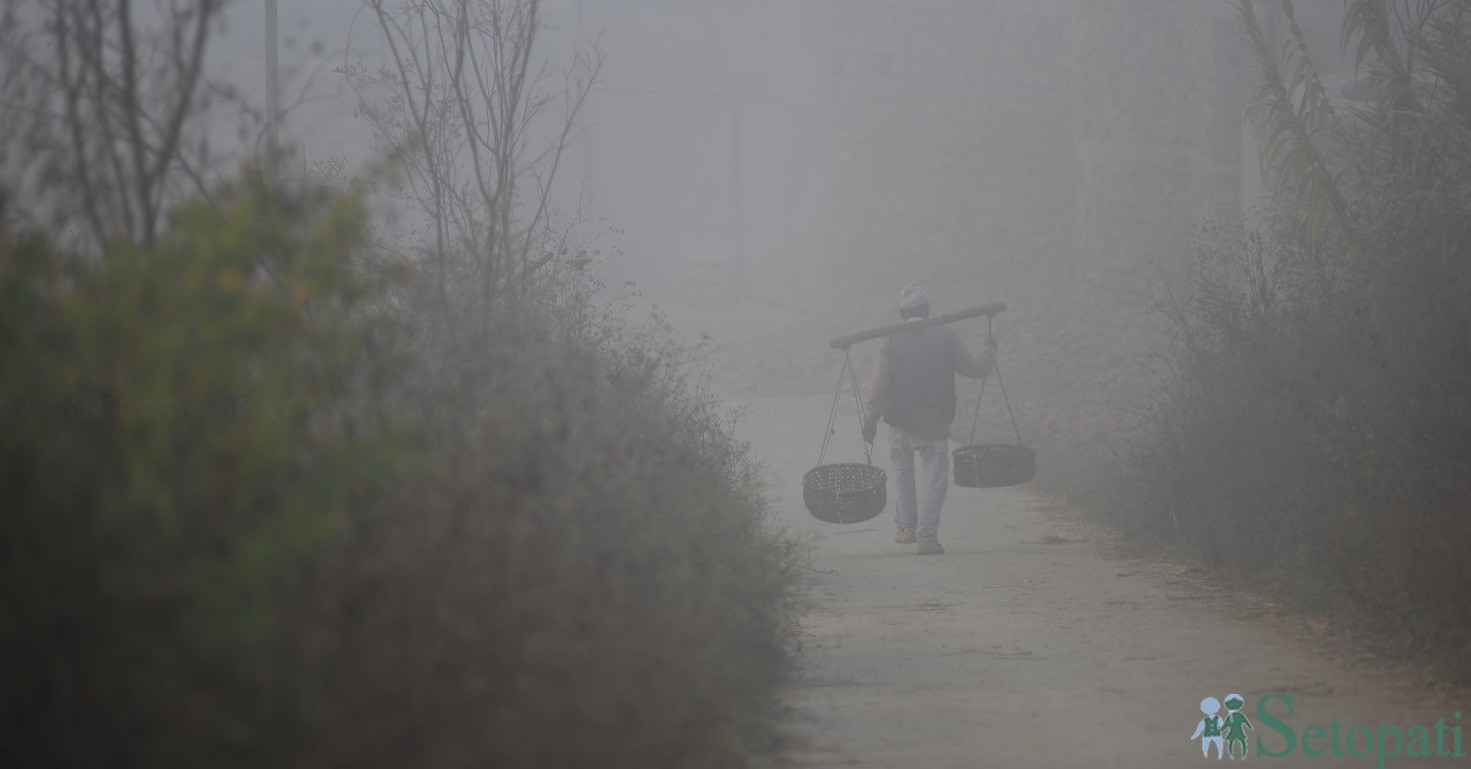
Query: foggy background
x=811 y=151
x=311 y=481
x=771 y=172
x=703 y=155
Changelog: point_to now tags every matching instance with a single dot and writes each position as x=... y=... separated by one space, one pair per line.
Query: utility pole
x=738 y=265
x=273 y=84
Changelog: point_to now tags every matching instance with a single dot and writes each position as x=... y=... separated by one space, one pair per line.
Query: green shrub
x=181 y=428
x=249 y=522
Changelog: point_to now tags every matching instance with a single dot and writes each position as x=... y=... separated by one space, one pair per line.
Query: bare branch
x=112 y=122
x=466 y=82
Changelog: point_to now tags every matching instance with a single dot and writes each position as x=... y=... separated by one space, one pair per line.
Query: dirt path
x=1031 y=643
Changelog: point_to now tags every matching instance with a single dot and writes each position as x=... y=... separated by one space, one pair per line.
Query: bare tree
x=481 y=124
x=103 y=100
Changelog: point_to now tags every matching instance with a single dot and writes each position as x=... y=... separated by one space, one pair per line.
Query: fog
x=783 y=153
x=811 y=157
x=1181 y=347
x=787 y=152
x=702 y=157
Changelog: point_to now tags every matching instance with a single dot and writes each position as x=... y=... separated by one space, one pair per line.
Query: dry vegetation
x=1316 y=425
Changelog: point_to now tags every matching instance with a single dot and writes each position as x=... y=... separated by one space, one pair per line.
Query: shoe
x=931 y=547
x=904 y=536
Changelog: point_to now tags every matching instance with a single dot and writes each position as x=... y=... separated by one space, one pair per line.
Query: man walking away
x=914 y=391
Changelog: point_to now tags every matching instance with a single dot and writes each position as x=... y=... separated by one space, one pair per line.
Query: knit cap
x=912 y=295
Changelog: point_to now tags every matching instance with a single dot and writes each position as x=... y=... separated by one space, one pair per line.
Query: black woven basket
x=990 y=465
x=847 y=492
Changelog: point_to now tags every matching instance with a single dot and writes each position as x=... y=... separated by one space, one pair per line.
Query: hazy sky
x=705 y=143
x=761 y=49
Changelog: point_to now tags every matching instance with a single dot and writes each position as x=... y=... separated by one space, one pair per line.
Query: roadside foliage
x=243 y=527
x=1316 y=424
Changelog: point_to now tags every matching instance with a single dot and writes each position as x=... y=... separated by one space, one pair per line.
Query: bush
x=1318 y=422
x=603 y=590
x=175 y=444
x=250 y=522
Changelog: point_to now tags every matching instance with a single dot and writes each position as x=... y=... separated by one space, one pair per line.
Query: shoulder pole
x=844 y=342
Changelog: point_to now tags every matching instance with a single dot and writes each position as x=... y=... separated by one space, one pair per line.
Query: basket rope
x=851 y=373
x=997 y=365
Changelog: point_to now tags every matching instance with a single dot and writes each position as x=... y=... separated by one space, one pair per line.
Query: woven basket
x=846 y=492
x=990 y=465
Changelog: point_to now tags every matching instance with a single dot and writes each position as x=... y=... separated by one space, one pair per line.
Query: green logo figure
x=1209 y=728
x=1236 y=725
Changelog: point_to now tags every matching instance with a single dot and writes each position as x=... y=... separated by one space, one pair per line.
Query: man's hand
x=869 y=433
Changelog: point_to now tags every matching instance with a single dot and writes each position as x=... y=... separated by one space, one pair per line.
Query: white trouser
x=934 y=457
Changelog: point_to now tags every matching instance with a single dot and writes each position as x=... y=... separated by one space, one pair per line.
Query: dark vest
x=921 y=374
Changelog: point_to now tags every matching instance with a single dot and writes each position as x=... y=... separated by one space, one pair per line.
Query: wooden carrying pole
x=844 y=342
